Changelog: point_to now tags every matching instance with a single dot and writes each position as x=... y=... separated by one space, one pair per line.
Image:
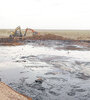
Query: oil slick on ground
x=65 y=72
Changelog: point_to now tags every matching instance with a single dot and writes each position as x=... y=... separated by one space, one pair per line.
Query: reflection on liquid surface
x=65 y=73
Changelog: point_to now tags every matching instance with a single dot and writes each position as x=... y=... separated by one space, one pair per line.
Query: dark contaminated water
x=62 y=67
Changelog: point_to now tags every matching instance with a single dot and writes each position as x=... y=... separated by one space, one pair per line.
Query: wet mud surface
x=47 y=69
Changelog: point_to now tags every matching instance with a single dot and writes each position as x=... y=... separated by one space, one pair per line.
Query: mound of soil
x=20 y=40
x=47 y=37
x=6 y=93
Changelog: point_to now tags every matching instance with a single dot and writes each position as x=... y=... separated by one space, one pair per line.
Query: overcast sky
x=45 y=14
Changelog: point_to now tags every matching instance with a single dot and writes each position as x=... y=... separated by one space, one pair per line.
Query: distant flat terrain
x=70 y=34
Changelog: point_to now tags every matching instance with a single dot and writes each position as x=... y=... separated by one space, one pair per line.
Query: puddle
x=65 y=73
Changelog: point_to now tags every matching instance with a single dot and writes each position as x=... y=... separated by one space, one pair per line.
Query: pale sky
x=45 y=14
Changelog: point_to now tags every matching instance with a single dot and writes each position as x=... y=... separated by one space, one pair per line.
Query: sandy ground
x=70 y=34
x=6 y=93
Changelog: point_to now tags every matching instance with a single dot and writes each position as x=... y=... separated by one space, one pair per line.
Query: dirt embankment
x=6 y=93
x=20 y=40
